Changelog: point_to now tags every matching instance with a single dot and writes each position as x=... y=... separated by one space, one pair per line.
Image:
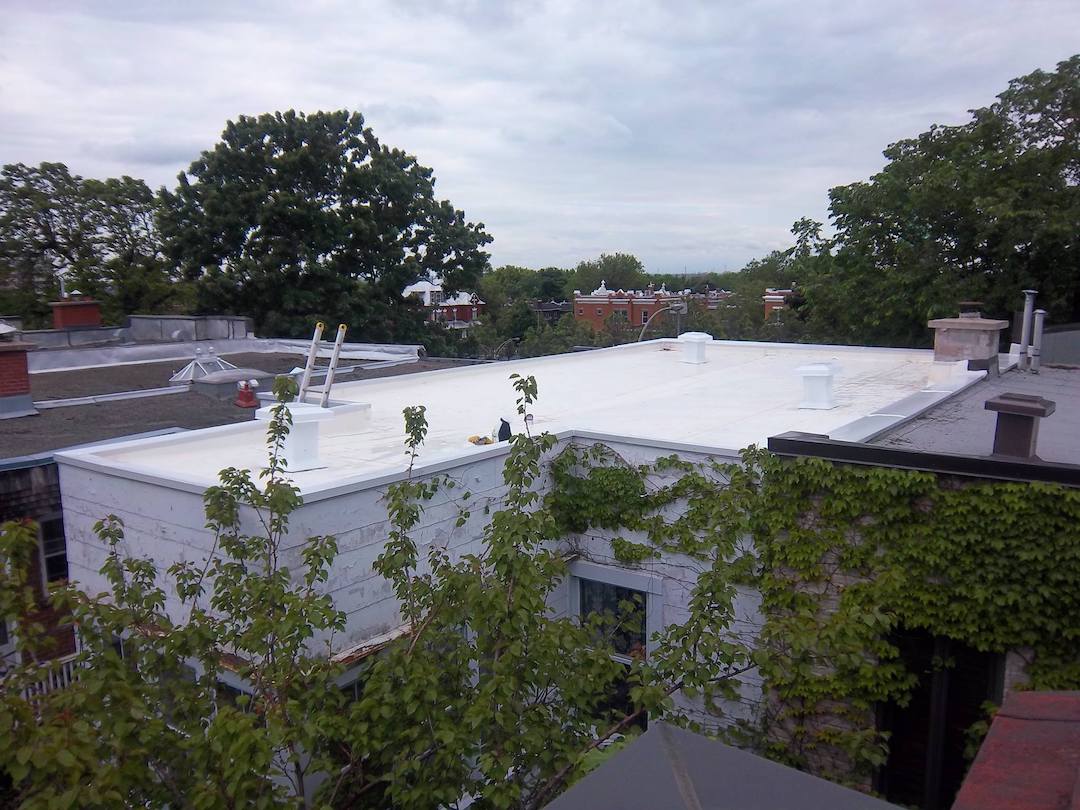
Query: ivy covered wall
x=841 y=557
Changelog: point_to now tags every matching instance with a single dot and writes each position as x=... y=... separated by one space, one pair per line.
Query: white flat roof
x=743 y=394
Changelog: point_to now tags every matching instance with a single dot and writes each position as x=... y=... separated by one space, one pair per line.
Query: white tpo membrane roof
x=743 y=394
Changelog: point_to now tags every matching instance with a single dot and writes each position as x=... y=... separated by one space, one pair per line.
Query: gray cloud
x=690 y=133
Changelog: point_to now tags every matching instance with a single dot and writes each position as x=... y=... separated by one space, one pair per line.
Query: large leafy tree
x=99 y=235
x=294 y=217
x=978 y=211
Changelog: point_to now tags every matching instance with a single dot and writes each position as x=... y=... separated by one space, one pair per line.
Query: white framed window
x=54 y=563
x=644 y=317
x=594 y=587
x=581 y=311
x=599 y=311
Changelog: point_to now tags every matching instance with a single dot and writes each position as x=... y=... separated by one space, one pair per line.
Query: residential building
x=635 y=307
x=776 y=300
x=550 y=312
x=1006 y=426
x=458 y=311
x=54 y=397
x=705 y=400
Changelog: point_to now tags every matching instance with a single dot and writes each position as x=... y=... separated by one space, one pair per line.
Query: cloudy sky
x=690 y=134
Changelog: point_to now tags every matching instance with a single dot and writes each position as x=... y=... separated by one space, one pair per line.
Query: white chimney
x=301 y=446
x=818 y=386
x=693 y=344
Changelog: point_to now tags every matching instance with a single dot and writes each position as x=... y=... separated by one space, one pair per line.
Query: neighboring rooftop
x=744 y=393
x=1030 y=759
x=59 y=427
x=962 y=425
x=669 y=767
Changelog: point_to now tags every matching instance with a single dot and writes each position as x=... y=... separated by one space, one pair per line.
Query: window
x=581 y=311
x=621 y=315
x=600 y=311
x=644 y=316
x=623 y=612
x=53 y=549
x=437 y=297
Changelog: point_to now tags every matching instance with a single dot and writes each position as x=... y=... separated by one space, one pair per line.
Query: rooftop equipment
x=200 y=367
x=1017 y=432
x=301 y=446
x=818 y=386
x=693 y=347
x=1025 y=328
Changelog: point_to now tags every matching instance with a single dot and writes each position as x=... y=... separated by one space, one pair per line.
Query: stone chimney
x=15 y=399
x=1018 y=418
x=968 y=337
x=76 y=312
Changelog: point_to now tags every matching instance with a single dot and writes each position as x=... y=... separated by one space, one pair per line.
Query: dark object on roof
x=1018 y=418
x=961 y=423
x=1030 y=760
x=668 y=767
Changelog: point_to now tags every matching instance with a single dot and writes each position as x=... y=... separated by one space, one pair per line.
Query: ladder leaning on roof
x=313 y=352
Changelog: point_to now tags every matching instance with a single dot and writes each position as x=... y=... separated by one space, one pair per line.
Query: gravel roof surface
x=55 y=428
x=136 y=377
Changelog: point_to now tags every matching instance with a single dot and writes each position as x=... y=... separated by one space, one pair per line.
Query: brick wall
x=14 y=378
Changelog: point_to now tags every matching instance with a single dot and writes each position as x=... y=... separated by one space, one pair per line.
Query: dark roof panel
x=669 y=767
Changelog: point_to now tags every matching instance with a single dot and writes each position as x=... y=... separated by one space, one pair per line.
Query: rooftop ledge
x=638 y=394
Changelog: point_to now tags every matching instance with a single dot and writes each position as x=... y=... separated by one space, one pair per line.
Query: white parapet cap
x=642 y=393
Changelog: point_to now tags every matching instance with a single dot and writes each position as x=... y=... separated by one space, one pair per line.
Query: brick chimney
x=1018 y=418
x=15 y=399
x=968 y=337
x=76 y=312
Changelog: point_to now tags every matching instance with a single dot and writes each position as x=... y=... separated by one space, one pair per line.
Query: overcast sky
x=690 y=134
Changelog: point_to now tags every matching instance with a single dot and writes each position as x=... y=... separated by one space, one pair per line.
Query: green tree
x=977 y=211
x=292 y=218
x=99 y=235
x=617 y=270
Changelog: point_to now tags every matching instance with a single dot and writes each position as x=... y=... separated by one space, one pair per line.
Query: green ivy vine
x=843 y=556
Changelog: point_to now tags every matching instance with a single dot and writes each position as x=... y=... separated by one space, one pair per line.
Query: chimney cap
x=1021 y=405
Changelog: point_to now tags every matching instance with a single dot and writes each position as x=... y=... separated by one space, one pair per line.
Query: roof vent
x=818 y=386
x=693 y=344
x=301 y=448
x=1017 y=432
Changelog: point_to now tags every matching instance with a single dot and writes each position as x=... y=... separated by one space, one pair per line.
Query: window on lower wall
x=53 y=549
x=623 y=613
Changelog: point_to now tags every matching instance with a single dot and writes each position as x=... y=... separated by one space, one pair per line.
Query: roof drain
x=817 y=386
x=1017 y=432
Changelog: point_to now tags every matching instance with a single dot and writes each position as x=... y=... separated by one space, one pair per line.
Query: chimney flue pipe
x=1025 y=327
x=1037 y=339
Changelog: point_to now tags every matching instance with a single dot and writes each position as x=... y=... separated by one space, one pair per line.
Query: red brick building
x=636 y=306
x=775 y=300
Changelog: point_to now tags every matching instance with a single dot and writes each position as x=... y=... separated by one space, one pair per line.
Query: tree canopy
x=978 y=211
x=292 y=218
x=100 y=235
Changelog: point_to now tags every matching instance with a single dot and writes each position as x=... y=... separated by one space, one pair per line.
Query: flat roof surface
x=742 y=395
x=55 y=428
x=962 y=425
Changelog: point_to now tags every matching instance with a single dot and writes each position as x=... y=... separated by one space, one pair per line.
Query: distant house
x=776 y=300
x=459 y=311
x=550 y=312
x=636 y=306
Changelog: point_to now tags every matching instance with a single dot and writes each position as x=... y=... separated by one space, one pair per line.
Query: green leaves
x=292 y=218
